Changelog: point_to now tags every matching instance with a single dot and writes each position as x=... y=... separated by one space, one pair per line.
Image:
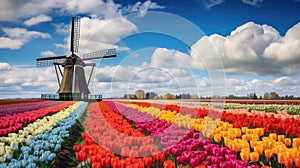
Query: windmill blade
x=100 y=54
x=75 y=35
x=49 y=61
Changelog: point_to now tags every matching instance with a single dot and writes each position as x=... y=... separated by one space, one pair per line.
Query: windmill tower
x=72 y=82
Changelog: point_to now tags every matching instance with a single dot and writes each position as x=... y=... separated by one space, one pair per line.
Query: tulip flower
x=296 y=142
x=268 y=153
x=81 y=156
x=281 y=158
x=169 y=164
x=245 y=156
x=254 y=157
x=288 y=163
x=147 y=161
x=217 y=138
x=77 y=148
x=297 y=162
x=194 y=161
x=287 y=141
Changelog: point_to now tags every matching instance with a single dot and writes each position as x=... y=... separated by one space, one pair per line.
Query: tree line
x=141 y=94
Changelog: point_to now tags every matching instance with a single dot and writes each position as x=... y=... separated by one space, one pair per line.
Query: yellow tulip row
x=186 y=121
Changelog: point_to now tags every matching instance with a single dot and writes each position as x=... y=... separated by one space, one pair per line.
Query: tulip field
x=154 y=134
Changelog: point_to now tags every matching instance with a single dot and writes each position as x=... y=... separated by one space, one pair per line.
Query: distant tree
x=130 y=96
x=168 y=96
x=185 y=96
x=215 y=96
x=230 y=96
x=150 y=95
x=273 y=95
x=266 y=96
x=157 y=97
x=140 y=94
x=253 y=96
x=194 y=96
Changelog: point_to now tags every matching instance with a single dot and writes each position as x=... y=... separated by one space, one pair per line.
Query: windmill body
x=73 y=84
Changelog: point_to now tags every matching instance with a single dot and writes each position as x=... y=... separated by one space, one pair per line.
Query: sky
x=202 y=47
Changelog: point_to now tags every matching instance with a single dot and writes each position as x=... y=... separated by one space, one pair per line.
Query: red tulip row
x=288 y=126
x=9 y=124
x=111 y=141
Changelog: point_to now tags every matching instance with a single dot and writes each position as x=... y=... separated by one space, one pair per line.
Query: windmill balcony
x=71 y=97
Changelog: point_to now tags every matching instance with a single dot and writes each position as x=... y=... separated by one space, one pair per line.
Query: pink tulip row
x=12 y=123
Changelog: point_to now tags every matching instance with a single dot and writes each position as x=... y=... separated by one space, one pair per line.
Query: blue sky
x=202 y=47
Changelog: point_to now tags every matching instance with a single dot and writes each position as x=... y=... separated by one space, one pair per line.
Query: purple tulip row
x=28 y=107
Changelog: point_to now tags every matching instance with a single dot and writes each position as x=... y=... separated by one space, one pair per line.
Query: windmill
x=73 y=85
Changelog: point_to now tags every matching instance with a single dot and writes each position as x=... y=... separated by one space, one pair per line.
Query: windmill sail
x=49 y=61
x=100 y=54
x=75 y=35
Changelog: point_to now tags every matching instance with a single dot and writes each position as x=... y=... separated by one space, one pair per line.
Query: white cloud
x=107 y=10
x=126 y=79
x=287 y=49
x=142 y=8
x=210 y=3
x=37 y=19
x=4 y=66
x=97 y=34
x=250 y=48
x=21 y=33
x=257 y=3
x=17 y=37
x=62 y=29
x=11 y=10
x=48 y=53
x=10 y=43
x=26 y=82
x=242 y=87
x=167 y=58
